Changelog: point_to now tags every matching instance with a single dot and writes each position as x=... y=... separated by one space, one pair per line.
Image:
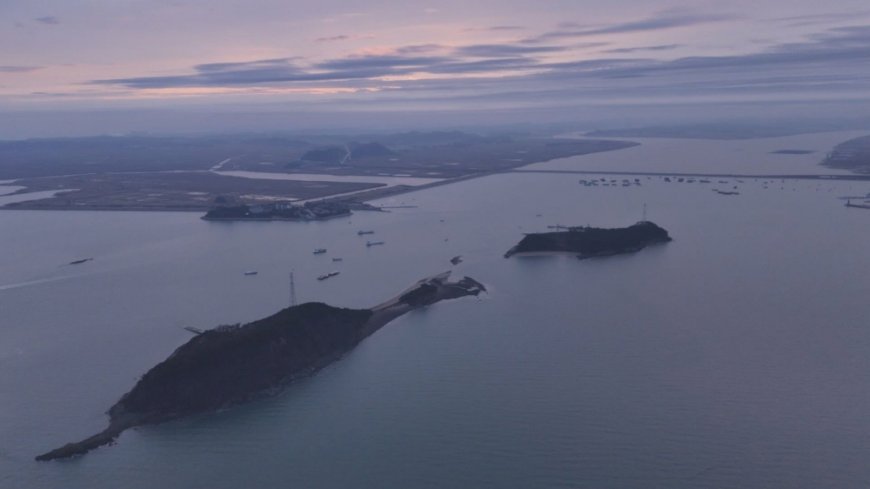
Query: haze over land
x=84 y=68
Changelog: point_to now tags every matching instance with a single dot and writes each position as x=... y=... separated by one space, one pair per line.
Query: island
x=852 y=155
x=283 y=211
x=589 y=242
x=232 y=364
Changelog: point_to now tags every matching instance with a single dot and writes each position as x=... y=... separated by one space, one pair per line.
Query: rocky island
x=589 y=242
x=232 y=364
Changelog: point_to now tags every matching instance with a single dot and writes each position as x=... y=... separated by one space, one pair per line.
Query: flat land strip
x=174 y=173
x=172 y=191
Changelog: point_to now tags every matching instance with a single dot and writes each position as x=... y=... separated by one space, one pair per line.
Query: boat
x=251 y=272
x=79 y=262
x=328 y=275
x=374 y=243
x=362 y=233
x=857 y=206
x=725 y=192
x=320 y=251
x=338 y=259
x=456 y=260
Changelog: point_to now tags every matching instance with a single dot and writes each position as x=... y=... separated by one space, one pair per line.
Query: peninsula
x=589 y=242
x=232 y=364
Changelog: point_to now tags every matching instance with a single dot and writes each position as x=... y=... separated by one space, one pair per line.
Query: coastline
x=266 y=219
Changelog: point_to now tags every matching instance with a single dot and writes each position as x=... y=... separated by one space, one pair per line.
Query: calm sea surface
x=737 y=356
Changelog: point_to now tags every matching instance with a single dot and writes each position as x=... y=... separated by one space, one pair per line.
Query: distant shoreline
x=200 y=191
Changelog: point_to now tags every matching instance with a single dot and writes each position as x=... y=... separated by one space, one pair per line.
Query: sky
x=330 y=59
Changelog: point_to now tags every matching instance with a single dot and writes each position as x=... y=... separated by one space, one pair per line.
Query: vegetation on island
x=231 y=363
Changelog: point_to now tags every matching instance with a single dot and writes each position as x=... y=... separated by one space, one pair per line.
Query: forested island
x=232 y=364
x=589 y=242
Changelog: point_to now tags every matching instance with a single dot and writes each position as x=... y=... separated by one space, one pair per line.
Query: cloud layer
x=485 y=54
x=836 y=59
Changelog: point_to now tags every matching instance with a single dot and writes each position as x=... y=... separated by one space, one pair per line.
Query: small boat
x=320 y=251
x=251 y=272
x=338 y=259
x=373 y=243
x=328 y=275
x=362 y=233
x=456 y=260
x=857 y=206
x=79 y=262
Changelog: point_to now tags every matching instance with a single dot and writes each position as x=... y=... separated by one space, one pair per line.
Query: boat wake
x=35 y=282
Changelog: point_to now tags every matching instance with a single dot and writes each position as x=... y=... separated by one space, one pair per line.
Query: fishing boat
x=373 y=243
x=320 y=251
x=251 y=272
x=328 y=275
x=362 y=233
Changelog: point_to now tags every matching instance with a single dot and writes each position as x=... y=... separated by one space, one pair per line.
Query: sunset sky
x=413 y=56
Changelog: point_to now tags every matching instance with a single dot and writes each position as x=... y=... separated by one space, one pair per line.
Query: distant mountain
x=434 y=138
x=326 y=154
x=337 y=154
x=370 y=150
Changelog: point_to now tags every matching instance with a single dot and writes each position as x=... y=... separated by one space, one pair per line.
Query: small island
x=232 y=364
x=286 y=211
x=589 y=242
